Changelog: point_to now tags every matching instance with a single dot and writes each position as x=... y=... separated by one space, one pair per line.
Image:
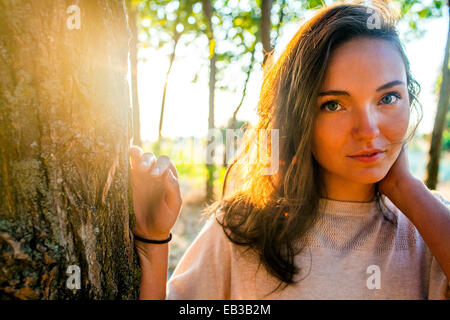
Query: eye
x=391 y=98
x=330 y=106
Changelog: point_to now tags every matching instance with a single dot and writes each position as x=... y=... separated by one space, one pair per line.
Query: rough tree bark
x=65 y=126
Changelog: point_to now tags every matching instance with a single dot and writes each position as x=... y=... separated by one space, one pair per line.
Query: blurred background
x=197 y=65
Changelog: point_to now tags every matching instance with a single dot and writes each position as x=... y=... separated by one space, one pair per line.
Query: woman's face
x=363 y=107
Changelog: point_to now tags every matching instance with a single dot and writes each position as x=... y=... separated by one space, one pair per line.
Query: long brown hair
x=271 y=213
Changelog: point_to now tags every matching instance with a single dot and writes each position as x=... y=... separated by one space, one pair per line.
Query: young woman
x=343 y=218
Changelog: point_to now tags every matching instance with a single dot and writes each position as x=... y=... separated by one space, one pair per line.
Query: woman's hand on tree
x=156 y=194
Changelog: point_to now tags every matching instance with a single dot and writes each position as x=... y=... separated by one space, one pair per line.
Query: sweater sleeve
x=204 y=270
x=439 y=287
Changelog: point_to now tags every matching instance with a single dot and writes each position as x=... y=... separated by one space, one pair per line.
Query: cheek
x=394 y=126
x=328 y=139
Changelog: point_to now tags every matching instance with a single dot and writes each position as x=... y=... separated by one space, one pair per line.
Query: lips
x=368 y=155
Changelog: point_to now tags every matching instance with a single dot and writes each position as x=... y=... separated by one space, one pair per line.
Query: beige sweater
x=352 y=253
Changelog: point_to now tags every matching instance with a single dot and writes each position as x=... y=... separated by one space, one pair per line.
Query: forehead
x=363 y=64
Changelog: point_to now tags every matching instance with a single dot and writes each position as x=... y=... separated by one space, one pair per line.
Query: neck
x=344 y=190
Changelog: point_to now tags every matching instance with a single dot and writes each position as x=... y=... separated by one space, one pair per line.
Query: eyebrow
x=339 y=92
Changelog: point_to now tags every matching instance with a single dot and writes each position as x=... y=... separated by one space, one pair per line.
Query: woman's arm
x=154 y=262
x=157 y=203
x=429 y=215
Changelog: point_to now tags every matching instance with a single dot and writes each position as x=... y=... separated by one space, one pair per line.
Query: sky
x=186 y=109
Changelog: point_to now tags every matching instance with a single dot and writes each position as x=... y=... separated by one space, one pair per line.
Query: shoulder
x=210 y=238
x=212 y=233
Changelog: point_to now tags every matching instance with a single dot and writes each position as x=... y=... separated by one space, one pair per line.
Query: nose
x=365 y=125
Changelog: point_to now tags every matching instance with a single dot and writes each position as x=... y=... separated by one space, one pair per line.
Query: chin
x=371 y=177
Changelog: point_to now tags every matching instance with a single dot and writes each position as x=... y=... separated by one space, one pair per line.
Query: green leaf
x=437 y=4
x=413 y=25
x=424 y=13
x=315 y=3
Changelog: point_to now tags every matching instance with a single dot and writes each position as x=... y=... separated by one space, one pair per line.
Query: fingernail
x=145 y=163
x=155 y=170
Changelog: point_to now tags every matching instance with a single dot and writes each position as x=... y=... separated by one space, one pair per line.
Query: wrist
x=152 y=241
x=404 y=190
x=398 y=187
x=160 y=236
x=146 y=251
x=403 y=185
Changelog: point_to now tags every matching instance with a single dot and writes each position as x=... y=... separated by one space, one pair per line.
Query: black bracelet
x=153 y=241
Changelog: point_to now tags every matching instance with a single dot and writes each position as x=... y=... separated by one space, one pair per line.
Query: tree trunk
x=211 y=166
x=233 y=120
x=132 y=22
x=266 y=26
x=244 y=90
x=176 y=38
x=207 y=11
x=65 y=127
x=439 y=122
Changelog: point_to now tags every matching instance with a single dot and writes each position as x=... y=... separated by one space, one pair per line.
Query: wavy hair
x=271 y=213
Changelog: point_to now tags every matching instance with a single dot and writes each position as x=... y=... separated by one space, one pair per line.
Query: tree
x=440 y=120
x=261 y=34
x=171 y=19
x=414 y=13
x=176 y=38
x=65 y=127
x=244 y=90
x=133 y=24
x=266 y=26
x=208 y=12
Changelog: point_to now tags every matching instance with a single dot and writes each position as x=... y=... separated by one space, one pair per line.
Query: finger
x=148 y=160
x=135 y=155
x=173 y=193
x=173 y=169
x=404 y=150
x=161 y=165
